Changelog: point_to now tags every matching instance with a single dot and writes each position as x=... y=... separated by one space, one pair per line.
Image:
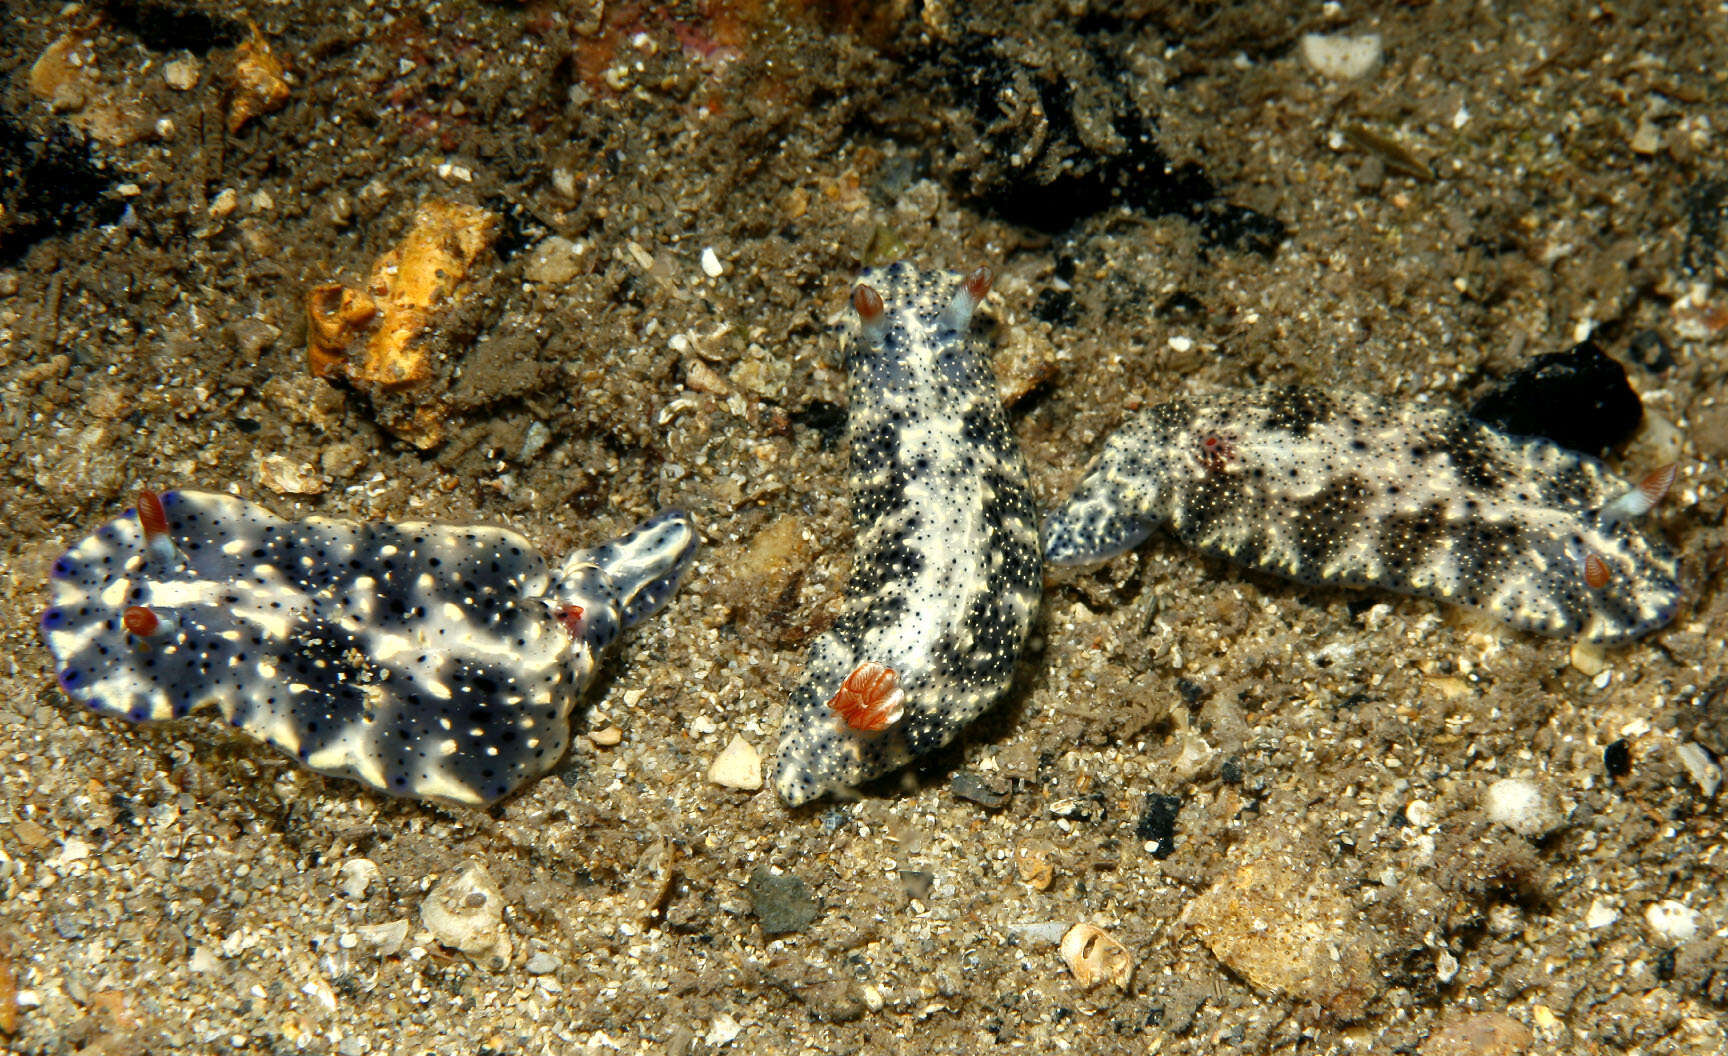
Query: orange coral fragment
x=258 y=81
x=870 y=699
x=335 y=316
x=409 y=285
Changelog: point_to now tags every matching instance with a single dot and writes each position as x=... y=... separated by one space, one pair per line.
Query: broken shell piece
x=1093 y=955
x=258 y=83
x=67 y=76
x=465 y=911
x=738 y=766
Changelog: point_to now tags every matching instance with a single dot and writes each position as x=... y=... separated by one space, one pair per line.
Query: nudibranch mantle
x=946 y=573
x=424 y=660
x=1347 y=489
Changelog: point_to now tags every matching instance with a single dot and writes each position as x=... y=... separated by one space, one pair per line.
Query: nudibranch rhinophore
x=946 y=574
x=424 y=660
x=1345 y=489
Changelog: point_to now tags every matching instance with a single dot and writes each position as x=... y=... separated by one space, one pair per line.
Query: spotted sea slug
x=424 y=660
x=946 y=573
x=1345 y=489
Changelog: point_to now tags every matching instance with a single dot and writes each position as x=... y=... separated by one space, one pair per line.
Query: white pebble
x=542 y=963
x=711 y=265
x=1600 y=915
x=1522 y=806
x=357 y=875
x=181 y=74
x=721 y=1031
x=224 y=204
x=738 y=766
x=1674 y=923
x=1341 y=58
x=1044 y=931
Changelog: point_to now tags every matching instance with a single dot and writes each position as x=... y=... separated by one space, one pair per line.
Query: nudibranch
x=946 y=573
x=423 y=660
x=1345 y=489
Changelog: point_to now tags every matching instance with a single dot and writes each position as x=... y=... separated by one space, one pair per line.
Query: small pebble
x=711 y=265
x=1340 y=57
x=608 y=737
x=1035 y=869
x=722 y=1030
x=1588 y=660
x=554 y=261
x=223 y=205
x=1050 y=931
x=1600 y=915
x=1480 y=1034
x=1284 y=925
x=542 y=963
x=1157 y=824
x=181 y=74
x=1617 y=758
x=780 y=903
x=1673 y=923
x=738 y=766
x=1523 y=806
x=533 y=442
x=987 y=792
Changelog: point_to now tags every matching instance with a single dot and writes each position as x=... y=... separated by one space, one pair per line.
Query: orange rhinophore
x=141 y=621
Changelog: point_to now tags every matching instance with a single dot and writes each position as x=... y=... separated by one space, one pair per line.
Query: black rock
x=1617 y=759
x=1158 y=823
x=781 y=903
x=1578 y=398
x=979 y=789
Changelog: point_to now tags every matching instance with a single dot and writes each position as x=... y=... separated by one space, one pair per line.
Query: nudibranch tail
x=423 y=660
x=1114 y=508
x=946 y=572
x=1344 y=489
x=642 y=567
